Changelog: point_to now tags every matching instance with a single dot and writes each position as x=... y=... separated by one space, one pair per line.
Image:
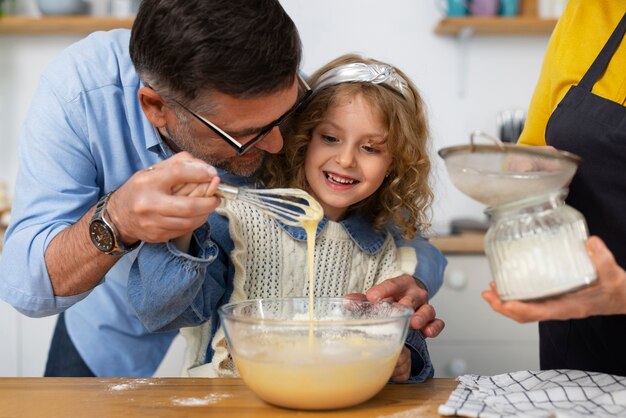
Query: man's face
x=242 y=119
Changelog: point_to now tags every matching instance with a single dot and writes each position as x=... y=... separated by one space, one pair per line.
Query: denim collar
x=368 y=239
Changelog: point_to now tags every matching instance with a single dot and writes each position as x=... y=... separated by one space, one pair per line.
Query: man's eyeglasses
x=241 y=148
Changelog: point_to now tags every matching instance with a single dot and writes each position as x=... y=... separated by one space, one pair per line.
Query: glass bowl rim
x=404 y=314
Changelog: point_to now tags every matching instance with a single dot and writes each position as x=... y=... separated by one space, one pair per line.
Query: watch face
x=101 y=236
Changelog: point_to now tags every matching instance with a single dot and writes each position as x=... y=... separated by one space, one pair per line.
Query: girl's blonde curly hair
x=405 y=196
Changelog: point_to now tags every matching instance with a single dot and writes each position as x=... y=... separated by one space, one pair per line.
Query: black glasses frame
x=241 y=148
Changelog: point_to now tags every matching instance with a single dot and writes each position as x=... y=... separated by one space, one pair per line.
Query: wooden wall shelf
x=59 y=25
x=454 y=26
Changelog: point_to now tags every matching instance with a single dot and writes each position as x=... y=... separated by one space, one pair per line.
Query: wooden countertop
x=189 y=397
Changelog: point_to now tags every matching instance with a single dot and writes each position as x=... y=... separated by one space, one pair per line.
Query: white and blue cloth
x=548 y=393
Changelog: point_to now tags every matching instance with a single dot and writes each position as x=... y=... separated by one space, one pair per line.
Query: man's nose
x=272 y=142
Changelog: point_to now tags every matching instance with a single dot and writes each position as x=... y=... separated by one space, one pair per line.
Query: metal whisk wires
x=290 y=206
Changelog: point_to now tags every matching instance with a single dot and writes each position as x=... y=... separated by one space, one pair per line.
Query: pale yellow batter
x=326 y=375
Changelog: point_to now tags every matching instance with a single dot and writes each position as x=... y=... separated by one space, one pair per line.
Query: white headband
x=364 y=73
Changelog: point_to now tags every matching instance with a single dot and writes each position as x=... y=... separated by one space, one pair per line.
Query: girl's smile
x=338 y=181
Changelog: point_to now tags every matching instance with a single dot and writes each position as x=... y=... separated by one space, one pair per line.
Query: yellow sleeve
x=576 y=41
x=540 y=105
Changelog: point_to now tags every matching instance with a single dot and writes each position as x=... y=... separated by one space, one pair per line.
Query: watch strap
x=101 y=214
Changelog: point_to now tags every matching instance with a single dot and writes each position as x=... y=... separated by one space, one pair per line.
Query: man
x=113 y=113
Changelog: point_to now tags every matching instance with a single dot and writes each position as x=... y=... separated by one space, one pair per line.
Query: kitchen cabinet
x=9 y=356
x=60 y=25
x=476 y=339
x=25 y=342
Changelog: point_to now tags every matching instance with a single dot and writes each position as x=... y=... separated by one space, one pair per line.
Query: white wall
x=500 y=72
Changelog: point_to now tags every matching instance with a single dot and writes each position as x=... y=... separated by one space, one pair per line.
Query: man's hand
x=607 y=296
x=144 y=208
x=405 y=290
x=170 y=199
x=402 y=372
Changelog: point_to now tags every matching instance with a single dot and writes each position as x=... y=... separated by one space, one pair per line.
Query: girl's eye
x=328 y=138
x=369 y=149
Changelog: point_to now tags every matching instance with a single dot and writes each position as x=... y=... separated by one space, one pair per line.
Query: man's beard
x=184 y=140
x=244 y=169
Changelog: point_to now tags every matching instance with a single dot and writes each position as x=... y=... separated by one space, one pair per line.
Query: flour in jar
x=541 y=265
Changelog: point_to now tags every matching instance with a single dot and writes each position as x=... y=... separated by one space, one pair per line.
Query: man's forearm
x=73 y=262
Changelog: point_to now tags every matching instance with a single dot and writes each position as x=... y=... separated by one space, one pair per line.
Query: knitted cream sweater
x=269 y=263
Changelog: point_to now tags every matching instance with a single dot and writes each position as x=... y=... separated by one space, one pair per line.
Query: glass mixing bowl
x=341 y=358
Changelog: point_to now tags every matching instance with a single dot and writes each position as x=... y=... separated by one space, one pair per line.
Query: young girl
x=359 y=146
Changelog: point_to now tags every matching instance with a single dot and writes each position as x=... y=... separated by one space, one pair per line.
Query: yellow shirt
x=578 y=38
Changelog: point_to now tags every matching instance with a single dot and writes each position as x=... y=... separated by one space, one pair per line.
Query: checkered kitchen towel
x=549 y=393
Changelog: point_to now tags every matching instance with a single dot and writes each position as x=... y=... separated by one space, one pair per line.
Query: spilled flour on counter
x=205 y=400
x=121 y=386
x=148 y=382
x=131 y=384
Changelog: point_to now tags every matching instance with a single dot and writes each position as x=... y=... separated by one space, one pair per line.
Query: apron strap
x=602 y=60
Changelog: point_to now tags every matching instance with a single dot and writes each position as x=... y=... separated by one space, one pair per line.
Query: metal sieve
x=497 y=173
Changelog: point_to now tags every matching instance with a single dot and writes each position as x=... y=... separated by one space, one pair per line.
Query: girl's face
x=346 y=160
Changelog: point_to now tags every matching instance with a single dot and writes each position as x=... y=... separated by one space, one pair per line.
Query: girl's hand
x=402 y=372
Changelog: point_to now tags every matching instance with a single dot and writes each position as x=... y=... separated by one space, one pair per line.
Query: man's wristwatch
x=103 y=233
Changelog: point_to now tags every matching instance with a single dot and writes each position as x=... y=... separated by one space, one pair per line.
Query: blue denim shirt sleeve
x=421 y=366
x=431 y=263
x=170 y=289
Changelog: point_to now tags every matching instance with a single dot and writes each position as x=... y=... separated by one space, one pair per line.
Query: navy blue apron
x=595 y=129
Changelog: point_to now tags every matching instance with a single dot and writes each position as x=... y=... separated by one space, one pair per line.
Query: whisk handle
x=227 y=191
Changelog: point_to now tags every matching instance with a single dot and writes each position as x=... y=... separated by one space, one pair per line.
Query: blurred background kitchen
x=476 y=65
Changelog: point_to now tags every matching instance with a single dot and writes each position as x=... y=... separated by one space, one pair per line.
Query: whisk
x=290 y=206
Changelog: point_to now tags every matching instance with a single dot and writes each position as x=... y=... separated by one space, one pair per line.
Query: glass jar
x=536 y=247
